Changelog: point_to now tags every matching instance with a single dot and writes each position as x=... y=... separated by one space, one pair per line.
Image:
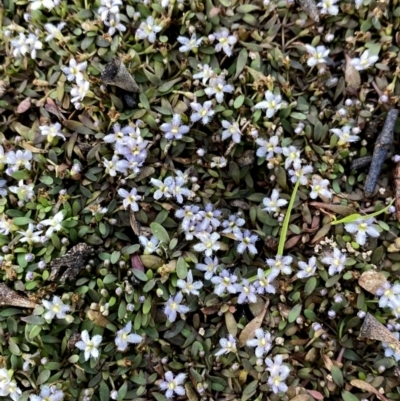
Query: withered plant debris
x=383 y=144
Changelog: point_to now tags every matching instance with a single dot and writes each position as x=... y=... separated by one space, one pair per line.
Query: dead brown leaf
x=351 y=75
x=374 y=330
x=250 y=328
x=97 y=318
x=371 y=281
x=362 y=385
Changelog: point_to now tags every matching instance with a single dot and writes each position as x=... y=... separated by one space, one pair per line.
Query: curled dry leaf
x=397 y=189
x=249 y=330
x=136 y=263
x=338 y=209
x=351 y=75
x=371 y=281
x=362 y=385
x=10 y=297
x=375 y=330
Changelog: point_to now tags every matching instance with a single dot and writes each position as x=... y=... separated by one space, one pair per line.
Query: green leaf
x=104 y=391
x=43 y=376
x=249 y=390
x=310 y=285
x=22 y=221
x=247 y=8
x=295 y=313
x=181 y=268
x=241 y=63
x=337 y=376
x=347 y=396
x=140 y=275
x=122 y=391
x=160 y=232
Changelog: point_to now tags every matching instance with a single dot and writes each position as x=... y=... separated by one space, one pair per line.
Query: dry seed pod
x=10 y=297
x=397 y=189
x=382 y=146
x=375 y=330
x=116 y=74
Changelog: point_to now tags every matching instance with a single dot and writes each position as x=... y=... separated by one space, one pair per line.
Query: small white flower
x=19 y=159
x=5 y=380
x=300 y=174
x=130 y=199
x=148 y=30
x=274 y=203
x=225 y=41
x=115 y=165
x=278 y=374
x=345 y=135
x=262 y=342
x=231 y=130
x=48 y=394
x=268 y=148
x=5 y=225
x=209 y=243
x=54 y=223
x=225 y=282
x=202 y=112
x=336 y=261
x=24 y=192
x=205 y=74
x=20 y=45
x=210 y=267
x=124 y=337
x=34 y=44
x=281 y=264
x=54 y=32
x=174 y=129
x=246 y=291
x=173 y=307
x=362 y=228
x=52 y=131
x=272 y=103
x=48 y=4
x=227 y=345
x=188 y=286
x=56 y=307
x=30 y=236
x=307 y=269
x=319 y=187
x=263 y=284
x=218 y=87
x=173 y=384
x=189 y=44
x=89 y=346
x=79 y=91
x=318 y=55
x=75 y=70
x=328 y=7
x=364 y=62
x=292 y=157
x=246 y=241
x=150 y=245
x=108 y=7
x=218 y=161
x=114 y=23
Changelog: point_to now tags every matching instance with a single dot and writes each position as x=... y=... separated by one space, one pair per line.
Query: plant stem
x=285 y=226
